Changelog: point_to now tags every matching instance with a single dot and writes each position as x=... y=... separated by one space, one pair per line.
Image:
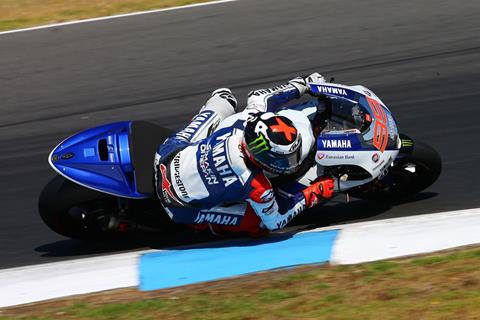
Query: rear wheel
x=416 y=168
x=75 y=211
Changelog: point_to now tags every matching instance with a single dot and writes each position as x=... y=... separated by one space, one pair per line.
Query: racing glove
x=322 y=188
x=302 y=84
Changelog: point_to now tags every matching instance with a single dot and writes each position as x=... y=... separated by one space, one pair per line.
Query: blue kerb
x=178 y=267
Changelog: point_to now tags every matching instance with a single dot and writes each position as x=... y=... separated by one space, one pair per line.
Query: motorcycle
x=105 y=181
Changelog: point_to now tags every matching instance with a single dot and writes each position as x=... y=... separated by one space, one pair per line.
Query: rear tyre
x=74 y=211
x=417 y=167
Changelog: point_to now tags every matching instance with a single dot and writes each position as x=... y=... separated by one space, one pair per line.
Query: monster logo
x=259 y=145
x=407 y=143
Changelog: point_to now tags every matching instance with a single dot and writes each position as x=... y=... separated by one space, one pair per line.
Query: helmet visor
x=282 y=164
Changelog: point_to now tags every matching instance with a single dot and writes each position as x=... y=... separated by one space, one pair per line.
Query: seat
x=145 y=137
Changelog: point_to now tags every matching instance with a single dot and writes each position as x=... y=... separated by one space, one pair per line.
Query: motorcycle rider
x=197 y=169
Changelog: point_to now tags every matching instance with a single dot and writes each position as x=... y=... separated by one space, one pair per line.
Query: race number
x=380 y=132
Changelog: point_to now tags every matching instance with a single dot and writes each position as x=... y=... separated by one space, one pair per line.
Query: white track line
x=116 y=16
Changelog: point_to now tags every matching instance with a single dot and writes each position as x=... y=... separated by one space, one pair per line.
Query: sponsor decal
x=338 y=143
x=384 y=169
x=208 y=173
x=166 y=186
x=295 y=144
x=252 y=117
x=321 y=156
x=221 y=164
x=341 y=156
x=194 y=125
x=176 y=176
x=267 y=195
x=213 y=127
x=298 y=209
x=269 y=209
x=260 y=92
x=407 y=143
x=392 y=127
x=259 y=145
x=378 y=165
x=332 y=90
x=210 y=176
x=67 y=156
x=375 y=157
x=216 y=218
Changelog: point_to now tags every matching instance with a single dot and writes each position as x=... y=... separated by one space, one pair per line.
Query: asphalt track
x=421 y=57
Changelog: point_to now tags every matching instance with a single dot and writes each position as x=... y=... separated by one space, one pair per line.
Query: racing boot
x=223 y=102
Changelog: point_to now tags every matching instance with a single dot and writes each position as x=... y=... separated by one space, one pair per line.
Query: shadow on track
x=336 y=212
x=130 y=242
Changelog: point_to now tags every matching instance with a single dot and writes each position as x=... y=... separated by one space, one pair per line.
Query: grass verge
x=440 y=286
x=17 y=14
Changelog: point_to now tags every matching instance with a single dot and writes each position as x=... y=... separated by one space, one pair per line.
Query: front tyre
x=416 y=168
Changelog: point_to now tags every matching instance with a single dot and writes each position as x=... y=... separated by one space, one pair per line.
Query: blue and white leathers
x=197 y=170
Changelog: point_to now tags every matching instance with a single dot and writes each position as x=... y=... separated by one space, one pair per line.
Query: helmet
x=272 y=143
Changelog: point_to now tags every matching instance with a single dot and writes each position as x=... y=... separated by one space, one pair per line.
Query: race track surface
x=421 y=57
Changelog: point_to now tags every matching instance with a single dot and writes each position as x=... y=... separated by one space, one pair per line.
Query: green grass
x=440 y=286
x=17 y=14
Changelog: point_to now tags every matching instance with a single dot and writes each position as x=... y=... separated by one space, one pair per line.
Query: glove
x=303 y=84
x=320 y=189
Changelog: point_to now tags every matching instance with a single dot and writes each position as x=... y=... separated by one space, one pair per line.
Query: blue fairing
x=99 y=158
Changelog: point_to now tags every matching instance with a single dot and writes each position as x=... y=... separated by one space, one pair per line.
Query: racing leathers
x=202 y=176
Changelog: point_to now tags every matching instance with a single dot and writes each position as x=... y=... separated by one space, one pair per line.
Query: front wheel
x=416 y=168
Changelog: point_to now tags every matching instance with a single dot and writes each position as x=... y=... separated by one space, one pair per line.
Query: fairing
x=99 y=158
x=371 y=144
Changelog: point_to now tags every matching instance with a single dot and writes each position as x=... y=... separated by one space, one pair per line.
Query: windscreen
x=367 y=117
x=347 y=115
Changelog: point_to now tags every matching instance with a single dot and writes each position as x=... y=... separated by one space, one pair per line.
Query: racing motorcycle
x=105 y=181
